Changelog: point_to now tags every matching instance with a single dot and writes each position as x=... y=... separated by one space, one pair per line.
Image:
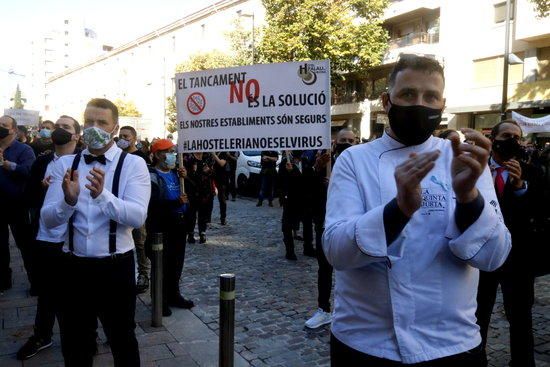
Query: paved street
x=274 y=298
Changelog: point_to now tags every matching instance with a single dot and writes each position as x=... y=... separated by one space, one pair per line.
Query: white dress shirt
x=55 y=234
x=92 y=216
x=414 y=300
x=493 y=165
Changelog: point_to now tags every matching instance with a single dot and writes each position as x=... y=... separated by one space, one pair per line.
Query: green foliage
x=127 y=108
x=348 y=32
x=17 y=100
x=242 y=43
x=206 y=60
x=171 y=114
x=542 y=7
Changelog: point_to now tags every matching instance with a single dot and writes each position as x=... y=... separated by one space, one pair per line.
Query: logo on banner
x=308 y=73
x=196 y=103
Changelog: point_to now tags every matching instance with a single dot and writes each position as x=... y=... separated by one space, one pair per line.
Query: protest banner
x=532 y=125
x=257 y=107
x=23 y=117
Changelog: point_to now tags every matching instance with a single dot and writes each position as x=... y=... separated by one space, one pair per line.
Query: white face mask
x=123 y=143
x=96 y=138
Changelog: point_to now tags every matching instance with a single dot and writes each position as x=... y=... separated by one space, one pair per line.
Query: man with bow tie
x=512 y=180
x=103 y=194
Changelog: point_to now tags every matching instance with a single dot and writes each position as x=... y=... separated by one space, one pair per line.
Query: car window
x=252 y=153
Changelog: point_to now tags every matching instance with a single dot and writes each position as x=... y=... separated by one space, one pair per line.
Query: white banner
x=23 y=117
x=258 y=107
x=532 y=125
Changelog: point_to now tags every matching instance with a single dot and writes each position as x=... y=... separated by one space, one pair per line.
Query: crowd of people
x=419 y=230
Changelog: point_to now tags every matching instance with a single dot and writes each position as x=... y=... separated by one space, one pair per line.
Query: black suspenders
x=114 y=191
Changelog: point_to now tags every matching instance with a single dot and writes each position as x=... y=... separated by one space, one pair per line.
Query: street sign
x=258 y=107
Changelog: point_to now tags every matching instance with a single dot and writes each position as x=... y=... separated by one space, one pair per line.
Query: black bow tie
x=88 y=158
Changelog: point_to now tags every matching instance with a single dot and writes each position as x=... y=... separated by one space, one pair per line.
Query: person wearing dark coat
x=516 y=187
x=297 y=185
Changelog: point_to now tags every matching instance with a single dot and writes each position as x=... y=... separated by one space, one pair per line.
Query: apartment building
x=468 y=38
x=68 y=42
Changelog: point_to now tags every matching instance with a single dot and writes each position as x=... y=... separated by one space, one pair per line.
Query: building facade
x=467 y=37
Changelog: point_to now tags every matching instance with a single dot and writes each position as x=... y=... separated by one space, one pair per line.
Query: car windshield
x=252 y=153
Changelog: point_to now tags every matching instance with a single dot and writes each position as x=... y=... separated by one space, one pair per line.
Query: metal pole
x=227 y=320
x=253 y=42
x=504 y=102
x=156 y=279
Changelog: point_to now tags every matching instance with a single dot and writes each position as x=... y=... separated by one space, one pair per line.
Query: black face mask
x=340 y=147
x=4 y=132
x=61 y=136
x=413 y=125
x=507 y=148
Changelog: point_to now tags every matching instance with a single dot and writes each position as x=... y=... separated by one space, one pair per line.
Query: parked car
x=247 y=175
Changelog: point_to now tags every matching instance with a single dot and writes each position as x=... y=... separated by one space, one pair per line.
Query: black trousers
x=518 y=288
x=173 y=258
x=293 y=214
x=104 y=289
x=13 y=217
x=222 y=199
x=201 y=210
x=47 y=261
x=231 y=187
x=324 y=273
x=343 y=356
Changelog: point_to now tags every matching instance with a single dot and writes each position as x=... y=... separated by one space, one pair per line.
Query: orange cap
x=162 y=144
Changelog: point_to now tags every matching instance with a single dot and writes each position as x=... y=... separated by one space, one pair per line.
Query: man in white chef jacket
x=410 y=220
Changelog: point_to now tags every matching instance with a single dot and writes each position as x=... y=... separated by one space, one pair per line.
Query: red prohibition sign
x=196 y=103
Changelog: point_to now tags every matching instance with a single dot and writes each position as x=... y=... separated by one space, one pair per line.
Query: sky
x=114 y=21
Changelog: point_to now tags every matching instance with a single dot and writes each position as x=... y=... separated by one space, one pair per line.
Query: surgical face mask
x=61 y=136
x=507 y=148
x=340 y=147
x=170 y=160
x=139 y=145
x=123 y=143
x=96 y=138
x=413 y=125
x=45 y=133
x=4 y=132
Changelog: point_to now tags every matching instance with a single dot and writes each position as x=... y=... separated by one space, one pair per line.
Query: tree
x=206 y=60
x=17 y=100
x=348 y=32
x=127 y=108
x=171 y=114
x=241 y=43
x=542 y=7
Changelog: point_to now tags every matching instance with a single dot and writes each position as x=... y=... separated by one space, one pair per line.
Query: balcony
x=414 y=38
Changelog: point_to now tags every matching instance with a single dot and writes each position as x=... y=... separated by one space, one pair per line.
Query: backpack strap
x=74 y=167
x=114 y=189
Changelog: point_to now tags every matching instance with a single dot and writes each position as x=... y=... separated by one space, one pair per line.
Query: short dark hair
x=48 y=122
x=75 y=123
x=23 y=129
x=418 y=63
x=131 y=129
x=106 y=104
x=13 y=122
x=496 y=129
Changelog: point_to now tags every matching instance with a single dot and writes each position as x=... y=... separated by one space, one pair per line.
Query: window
x=66 y=21
x=543 y=55
x=488 y=72
x=66 y=33
x=500 y=12
x=486 y=120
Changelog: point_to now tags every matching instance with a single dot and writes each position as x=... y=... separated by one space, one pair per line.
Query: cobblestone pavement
x=274 y=298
